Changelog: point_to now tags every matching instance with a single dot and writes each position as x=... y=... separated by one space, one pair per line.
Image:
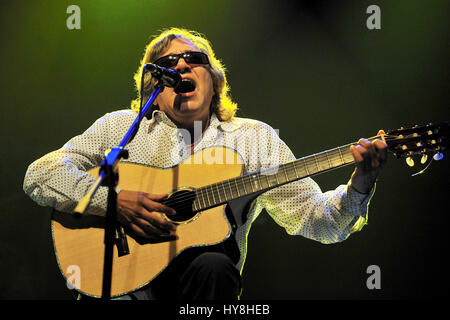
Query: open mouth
x=185 y=86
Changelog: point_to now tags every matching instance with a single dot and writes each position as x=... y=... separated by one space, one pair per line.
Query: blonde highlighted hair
x=221 y=104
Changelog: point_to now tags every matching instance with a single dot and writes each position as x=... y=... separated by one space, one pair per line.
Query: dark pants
x=208 y=276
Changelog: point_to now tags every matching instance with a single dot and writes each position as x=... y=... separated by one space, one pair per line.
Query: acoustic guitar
x=211 y=196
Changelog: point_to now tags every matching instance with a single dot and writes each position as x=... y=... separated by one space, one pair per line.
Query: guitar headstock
x=430 y=139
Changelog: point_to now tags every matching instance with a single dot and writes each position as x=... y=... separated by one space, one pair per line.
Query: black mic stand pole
x=108 y=176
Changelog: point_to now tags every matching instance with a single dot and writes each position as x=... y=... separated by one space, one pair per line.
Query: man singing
x=168 y=136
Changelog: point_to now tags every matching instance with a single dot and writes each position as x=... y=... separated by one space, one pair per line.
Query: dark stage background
x=311 y=69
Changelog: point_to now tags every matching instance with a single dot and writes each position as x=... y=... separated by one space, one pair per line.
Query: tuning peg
x=424 y=158
x=410 y=161
x=438 y=156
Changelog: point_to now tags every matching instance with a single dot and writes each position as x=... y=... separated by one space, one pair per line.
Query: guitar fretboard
x=266 y=179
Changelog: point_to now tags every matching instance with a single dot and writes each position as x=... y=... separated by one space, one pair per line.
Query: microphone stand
x=108 y=176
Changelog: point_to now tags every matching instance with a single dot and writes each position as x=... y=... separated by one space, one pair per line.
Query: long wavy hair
x=222 y=104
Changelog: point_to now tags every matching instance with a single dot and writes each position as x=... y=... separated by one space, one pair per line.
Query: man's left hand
x=370 y=158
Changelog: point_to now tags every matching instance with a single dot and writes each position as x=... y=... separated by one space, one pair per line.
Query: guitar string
x=244 y=184
x=245 y=180
x=313 y=159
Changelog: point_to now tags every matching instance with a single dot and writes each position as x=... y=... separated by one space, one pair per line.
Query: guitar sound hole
x=181 y=201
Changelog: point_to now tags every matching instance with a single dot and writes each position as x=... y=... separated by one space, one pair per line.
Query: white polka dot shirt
x=59 y=179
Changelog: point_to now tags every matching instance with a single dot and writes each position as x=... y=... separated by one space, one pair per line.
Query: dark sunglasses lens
x=195 y=57
x=167 y=61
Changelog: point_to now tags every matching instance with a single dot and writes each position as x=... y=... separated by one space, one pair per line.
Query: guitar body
x=79 y=242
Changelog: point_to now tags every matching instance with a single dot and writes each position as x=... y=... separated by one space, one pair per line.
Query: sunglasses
x=191 y=57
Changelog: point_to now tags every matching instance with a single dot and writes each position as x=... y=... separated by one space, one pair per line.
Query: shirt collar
x=159 y=116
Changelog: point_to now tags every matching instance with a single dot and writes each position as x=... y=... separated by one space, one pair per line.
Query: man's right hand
x=141 y=213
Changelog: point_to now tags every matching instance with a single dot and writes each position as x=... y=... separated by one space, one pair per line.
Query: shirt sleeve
x=303 y=209
x=61 y=178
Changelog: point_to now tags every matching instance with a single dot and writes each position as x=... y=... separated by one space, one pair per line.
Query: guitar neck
x=266 y=179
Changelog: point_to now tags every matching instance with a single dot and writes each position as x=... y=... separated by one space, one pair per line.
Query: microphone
x=168 y=77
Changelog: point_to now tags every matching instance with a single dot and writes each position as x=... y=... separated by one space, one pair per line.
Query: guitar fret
x=268 y=181
x=295 y=170
x=279 y=177
x=340 y=154
x=197 y=198
x=228 y=191
x=196 y=205
x=332 y=158
x=222 y=189
x=231 y=190
x=237 y=187
x=218 y=193
x=207 y=199
x=285 y=173
x=329 y=161
x=306 y=167
x=212 y=191
x=250 y=183
x=349 y=156
x=259 y=183
x=256 y=182
x=243 y=187
x=292 y=173
x=284 y=169
x=208 y=194
x=317 y=164
x=276 y=178
x=203 y=191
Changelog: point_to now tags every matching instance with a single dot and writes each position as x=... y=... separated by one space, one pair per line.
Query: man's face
x=185 y=108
